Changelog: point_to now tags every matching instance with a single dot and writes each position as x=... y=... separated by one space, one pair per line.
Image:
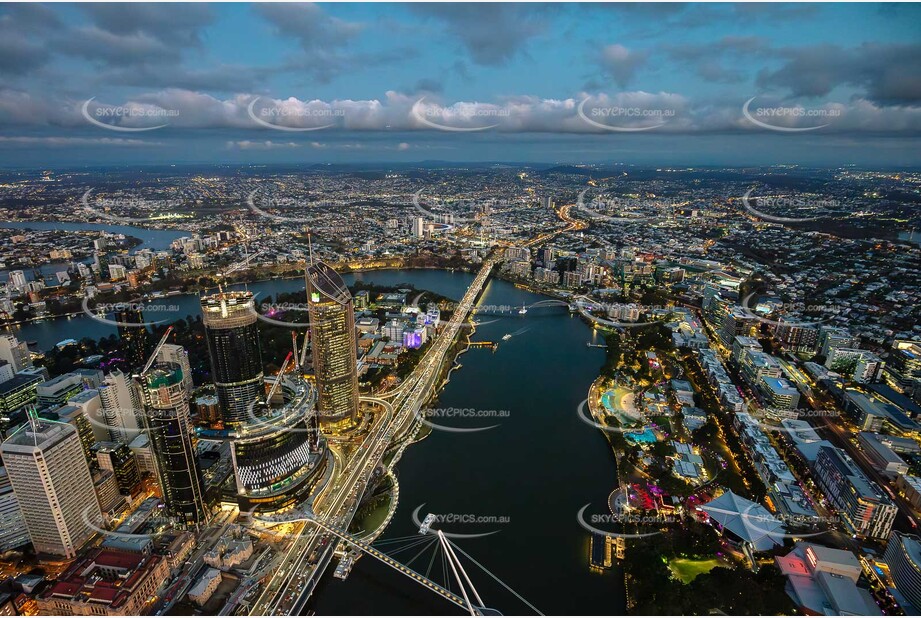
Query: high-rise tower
x=52 y=482
x=332 y=333
x=167 y=423
x=236 y=358
x=133 y=332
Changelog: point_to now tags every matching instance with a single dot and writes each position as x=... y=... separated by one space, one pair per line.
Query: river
x=47 y=333
x=530 y=475
x=534 y=471
x=156 y=240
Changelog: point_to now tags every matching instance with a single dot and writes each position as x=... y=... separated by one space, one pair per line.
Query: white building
x=14 y=352
x=52 y=482
x=121 y=406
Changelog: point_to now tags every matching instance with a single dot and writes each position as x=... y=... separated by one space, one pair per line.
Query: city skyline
x=412 y=309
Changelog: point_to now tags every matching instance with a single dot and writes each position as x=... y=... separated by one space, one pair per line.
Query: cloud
x=310 y=25
x=178 y=24
x=21 y=26
x=890 y=74
x=492 y=33
x=117 y=49
x=69 y=142
x=620 y=63
x=261 y=145
x=396 y=111
x=708 y=59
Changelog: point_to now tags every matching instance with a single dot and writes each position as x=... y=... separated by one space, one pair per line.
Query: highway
x=310 y=552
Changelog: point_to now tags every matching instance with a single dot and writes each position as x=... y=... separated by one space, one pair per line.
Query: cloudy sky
x=692 y=84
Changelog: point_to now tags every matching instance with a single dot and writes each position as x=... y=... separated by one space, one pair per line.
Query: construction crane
x=153 y=357
x=277 y=383
x=303 y=360
x=236 y=267
x=294 y=345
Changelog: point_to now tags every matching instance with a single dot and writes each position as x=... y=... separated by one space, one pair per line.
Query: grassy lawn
x=686 y=570
x=370 y=516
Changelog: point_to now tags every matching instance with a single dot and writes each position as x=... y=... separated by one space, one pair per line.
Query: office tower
x=106 y=487
x=903 y=555
x=121 y=406
x=418 y=227
x=144 y=455
x=166 y=419
x=134 y=337
x=74 y=416
x=118 y=459
x=332 y=333
x=56 y=391
x=15 y=352
x=865 y=509
x=49 y=474
x=13 y=530
x=18 y=393
x=274 y=462
x=236 y=357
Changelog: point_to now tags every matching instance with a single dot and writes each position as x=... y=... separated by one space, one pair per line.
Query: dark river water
x=529 y=476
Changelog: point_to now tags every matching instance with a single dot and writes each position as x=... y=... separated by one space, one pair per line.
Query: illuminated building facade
x=167 y=423
x=332 y=333
x=277 y=460
x=236 y=357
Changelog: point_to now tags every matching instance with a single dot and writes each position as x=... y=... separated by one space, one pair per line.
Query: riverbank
x=525 y=471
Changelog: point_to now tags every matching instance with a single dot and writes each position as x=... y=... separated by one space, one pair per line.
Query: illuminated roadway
x=297 y=575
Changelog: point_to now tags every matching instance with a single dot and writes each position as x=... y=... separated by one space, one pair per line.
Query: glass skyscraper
x=332 y=333
x=134 y=337
x=236 y=358
x=166 y=419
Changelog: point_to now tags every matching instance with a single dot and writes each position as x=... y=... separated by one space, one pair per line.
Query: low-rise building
x=823 y=582
x=206 y=585
x=105 y=582
x=879 y=451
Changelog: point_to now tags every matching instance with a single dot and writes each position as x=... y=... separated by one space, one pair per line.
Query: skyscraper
x=172 y=353
x=332 y=332
x=52 y=482
x=118 y=459
x=167 y=422
x=236 y=358
x=121 y=406
x=134 y=337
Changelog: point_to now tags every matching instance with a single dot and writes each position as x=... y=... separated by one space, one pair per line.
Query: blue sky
x=635 y=83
